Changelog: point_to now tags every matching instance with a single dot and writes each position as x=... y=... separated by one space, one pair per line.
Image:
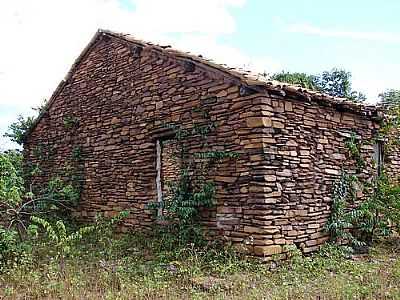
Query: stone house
x=112 y=108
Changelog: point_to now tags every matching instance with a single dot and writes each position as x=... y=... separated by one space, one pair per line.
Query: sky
x=40 y=39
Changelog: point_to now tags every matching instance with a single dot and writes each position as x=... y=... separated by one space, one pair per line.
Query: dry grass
x=130 y=270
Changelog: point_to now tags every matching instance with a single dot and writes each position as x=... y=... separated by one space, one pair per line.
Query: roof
x=251 y=80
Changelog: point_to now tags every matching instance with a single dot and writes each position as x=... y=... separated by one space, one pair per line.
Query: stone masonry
x=121 y=92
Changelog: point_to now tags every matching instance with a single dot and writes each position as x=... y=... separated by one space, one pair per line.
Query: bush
x=18 y=129
x=375 y=217
x=61 y=241
x=11 y=182
x=12 y=251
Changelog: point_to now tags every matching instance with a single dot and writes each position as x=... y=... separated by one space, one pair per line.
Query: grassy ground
x=137 y=268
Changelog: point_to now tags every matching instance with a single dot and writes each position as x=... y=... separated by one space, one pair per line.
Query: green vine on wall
x=63 y=190
x=70 y=121
x=378 y=213
x=340 y=221
x=354 y=147
x=193 y=191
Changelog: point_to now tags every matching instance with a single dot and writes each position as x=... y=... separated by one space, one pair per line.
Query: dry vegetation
x=127 y=268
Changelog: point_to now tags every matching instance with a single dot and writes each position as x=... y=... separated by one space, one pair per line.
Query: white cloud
x=390 y=37
x=208 y=46
x=375 y=80
x=370 y=78
x=42 y=38
x=205 y=16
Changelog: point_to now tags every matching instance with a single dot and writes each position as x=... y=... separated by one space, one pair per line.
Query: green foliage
x=181 y=134
x=301 y=79
x=193 y=192
x=61 y=241
x=17 y=205
x=334 y=251
x=12 y=191
x=216 y=155
x=186 y=200
x=77 y=153
x=19 y=201
x=18 y=130
x=104 y=233
x=390 y=98
x=41 y=107
x=379 y=214
x=43 y=151
x=353 y=145
x=70 y=122
x=183 y=208
x=369 y=219
x=141 y=267
x=12 y=251
x=336 y=82
x=339 y=223
x=61 y=193
x=11 y=182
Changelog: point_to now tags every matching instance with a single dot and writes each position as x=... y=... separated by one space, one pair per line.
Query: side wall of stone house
x=117 y=104
x=114 y=108
x=304 y=153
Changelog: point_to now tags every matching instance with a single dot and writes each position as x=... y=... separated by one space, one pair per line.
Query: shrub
x=11 y=182
x=378 y=215
x=17 y=130
x=12 y=250
x=60 y=240
x=183 y=208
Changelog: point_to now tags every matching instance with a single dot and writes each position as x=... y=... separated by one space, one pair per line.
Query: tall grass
x=146 y=267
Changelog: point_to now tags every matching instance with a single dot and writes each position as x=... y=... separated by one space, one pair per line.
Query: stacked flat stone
x=276 y=193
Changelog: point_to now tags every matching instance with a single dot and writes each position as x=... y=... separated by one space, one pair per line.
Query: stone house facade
x=113 y=106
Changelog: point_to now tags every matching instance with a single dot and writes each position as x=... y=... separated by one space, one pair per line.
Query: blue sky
x=304 y=35
x=270 y=27
x=311 y=36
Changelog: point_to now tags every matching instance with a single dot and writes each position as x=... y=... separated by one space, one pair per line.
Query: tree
x=17 y=130
x=336 y=82
x=302 y=79
x=390 y=98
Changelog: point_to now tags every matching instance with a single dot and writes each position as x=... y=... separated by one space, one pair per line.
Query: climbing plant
x=70 y=121
x=339 y=222
x=377 y=214
x=353 y=146
x=24 y=194
x=193 y=190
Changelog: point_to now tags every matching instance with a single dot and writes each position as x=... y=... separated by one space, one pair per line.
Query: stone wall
x=122 y=103
x=303 y=153
x=170 y=166
x=121 y=96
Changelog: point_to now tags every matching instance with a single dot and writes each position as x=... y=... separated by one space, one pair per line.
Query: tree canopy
x=390 y=98
x=336 y=82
